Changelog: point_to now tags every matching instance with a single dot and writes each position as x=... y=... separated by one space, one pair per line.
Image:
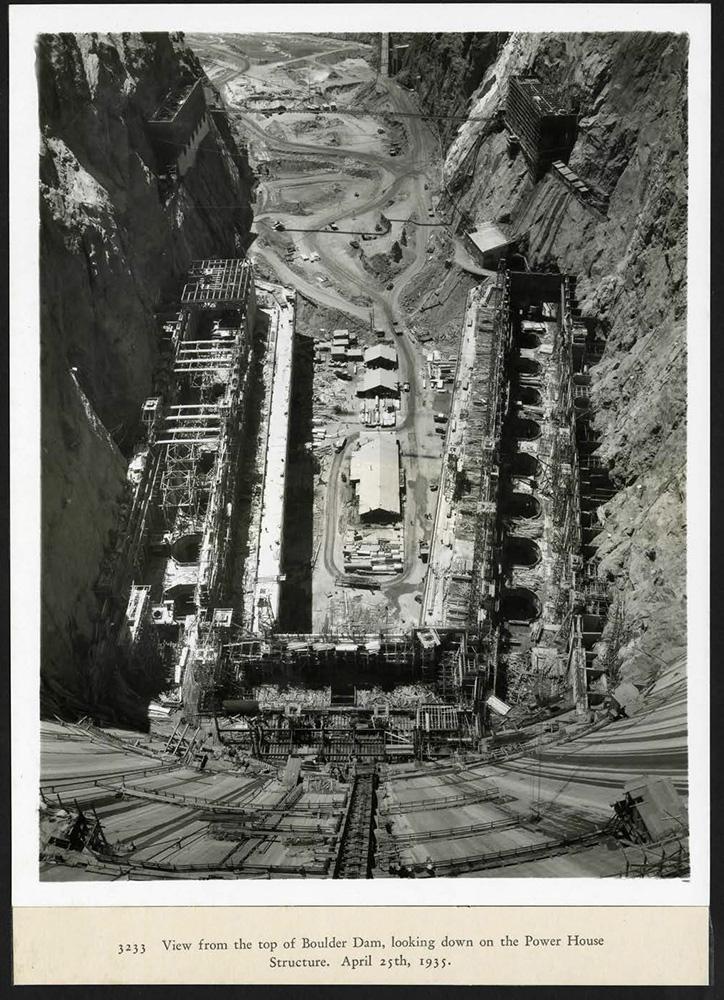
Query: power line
x=361 y=112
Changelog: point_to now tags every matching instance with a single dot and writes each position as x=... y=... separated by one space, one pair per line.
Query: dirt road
x=388 y=181
x=350 y=279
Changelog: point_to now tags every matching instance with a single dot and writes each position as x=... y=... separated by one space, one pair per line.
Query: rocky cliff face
x=446 y=69
x=113 y=245
x=630 y=262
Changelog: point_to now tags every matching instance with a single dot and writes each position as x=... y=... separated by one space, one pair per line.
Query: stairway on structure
x=355 y=856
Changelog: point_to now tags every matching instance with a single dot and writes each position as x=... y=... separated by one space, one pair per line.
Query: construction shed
x=381 y=356
x=538 y=116
x=376 y=470
x=379 y=382
x=651 y=809
x=488 y=244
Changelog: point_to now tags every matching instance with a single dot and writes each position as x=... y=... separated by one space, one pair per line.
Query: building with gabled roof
x=379 y=382
x=381 y=356
x=375 y=467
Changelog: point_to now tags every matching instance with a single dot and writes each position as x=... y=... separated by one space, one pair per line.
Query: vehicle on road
x=354 y=244
x=279 y=226
x=406 y=387
x=390 y=286
x=339 y=444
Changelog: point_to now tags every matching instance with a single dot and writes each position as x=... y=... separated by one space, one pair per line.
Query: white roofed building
x=379 y=382
x=381 y=356
x=375 y=467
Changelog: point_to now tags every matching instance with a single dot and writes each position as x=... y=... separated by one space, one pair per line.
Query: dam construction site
x=364 y=456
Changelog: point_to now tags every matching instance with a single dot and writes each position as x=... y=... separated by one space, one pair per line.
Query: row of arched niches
x=521 y=506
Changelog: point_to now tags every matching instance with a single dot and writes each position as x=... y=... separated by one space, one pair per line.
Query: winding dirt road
x=403 y=179
x=347 y=273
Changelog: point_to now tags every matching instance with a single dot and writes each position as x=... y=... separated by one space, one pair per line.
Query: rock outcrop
x=115 y=241
x=446 y=69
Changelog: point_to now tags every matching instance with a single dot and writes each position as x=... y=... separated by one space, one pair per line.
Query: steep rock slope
x=113 y=246
x=630 y=262
x=446 y=69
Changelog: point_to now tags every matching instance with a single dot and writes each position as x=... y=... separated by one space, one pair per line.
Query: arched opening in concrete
x=520 y=551
x=520 y=605
x=206 y=462
x=219 y=325
x=216 y=392
x=187 y=549
x=524 y=464
x=522 y=505
x=525 y=429
x=187 y=395
x=526 y=366
x=528 y=341
x=182 y=595
x=528 y=395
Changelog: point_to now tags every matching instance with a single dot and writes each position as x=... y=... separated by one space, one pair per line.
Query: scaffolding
x=214 y=282
x=537 y=116
x=484 y=571
x=185 y=473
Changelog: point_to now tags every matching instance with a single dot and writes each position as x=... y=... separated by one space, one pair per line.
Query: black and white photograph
x=363 y=455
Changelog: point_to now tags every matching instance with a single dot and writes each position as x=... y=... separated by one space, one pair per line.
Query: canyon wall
x=629 y=259
x=114 y=245
x=446 y=69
